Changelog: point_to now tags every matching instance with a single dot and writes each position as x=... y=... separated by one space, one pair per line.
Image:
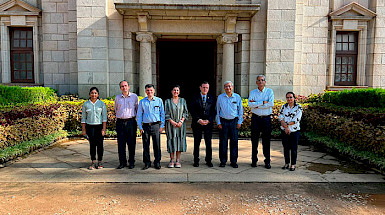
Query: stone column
x=228 y=40
x=145 y=73
x=5 y=53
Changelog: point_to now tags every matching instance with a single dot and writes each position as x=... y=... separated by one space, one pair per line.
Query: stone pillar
x=228 y=40
x=145 y=73
x=5 y=53
x=377 y=76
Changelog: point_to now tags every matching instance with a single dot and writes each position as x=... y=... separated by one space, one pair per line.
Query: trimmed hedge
x=355 y=118
x=374 y=98
x=373 y=116
x=343 y=148
x=26 y=147
x=10 y=95
x=30 y=122
x=362 y=136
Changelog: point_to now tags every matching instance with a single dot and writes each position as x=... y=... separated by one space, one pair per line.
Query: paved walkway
x=68 y=161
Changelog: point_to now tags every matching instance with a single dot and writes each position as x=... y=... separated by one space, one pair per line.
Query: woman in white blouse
x=290 y=116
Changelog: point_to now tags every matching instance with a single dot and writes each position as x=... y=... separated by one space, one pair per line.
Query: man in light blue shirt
x=261 y=102
x=229 y=119
x=150 y=119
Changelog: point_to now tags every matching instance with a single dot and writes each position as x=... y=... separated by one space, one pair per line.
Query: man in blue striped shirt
x=261 y=102
x=229 y=119
x=150 y=119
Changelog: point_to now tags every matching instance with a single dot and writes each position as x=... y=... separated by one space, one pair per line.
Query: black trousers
x=290 y=146
x=95 y=137
x=229 y=130
x=208 y=133
x=260 y=125
x=126 y=133
x=151 y=131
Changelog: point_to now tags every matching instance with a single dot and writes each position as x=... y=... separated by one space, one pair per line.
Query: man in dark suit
x=203 y=114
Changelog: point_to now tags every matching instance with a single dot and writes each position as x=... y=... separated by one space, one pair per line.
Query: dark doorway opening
x=186 y=63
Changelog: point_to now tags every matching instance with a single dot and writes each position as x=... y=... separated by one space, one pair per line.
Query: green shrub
x=373 y=116
x=356 y=98
x=26 y=147
x=10 y=95
x=73 y=114
x=245 y=130
x=358 y=134
x=73 y=107
x=30 y=122
x=366 y=156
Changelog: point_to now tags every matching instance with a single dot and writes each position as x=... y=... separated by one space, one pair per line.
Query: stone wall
x=85 y=43
x=99 y=47
x=257 y=45
x=54 y=45
x=314 y=59
x=280 y=44
x=72 y=40
x=131 y=54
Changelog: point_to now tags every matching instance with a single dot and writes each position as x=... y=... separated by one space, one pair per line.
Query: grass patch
x=26 y=147
x=370 y=158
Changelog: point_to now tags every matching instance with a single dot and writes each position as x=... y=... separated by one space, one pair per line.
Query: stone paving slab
x=67 y=162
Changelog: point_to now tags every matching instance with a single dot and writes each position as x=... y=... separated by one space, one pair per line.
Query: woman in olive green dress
x=176 y=114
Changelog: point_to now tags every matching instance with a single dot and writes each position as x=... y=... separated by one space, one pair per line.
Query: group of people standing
x=152 y=116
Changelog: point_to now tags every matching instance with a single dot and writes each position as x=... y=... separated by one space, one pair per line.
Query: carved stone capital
x=228 y=38
x=145 y=37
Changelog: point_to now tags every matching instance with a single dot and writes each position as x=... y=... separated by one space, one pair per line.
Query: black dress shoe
x=267 y=166
x=209 y=164
x=254 y=164
x=234 y=165
x=196 y=164
x=157 y=166
x=121 y=166
x=222 y=165
x=146 y=167
x=131 y=166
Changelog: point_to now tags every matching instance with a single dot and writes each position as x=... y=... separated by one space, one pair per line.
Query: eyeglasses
x=261 y=80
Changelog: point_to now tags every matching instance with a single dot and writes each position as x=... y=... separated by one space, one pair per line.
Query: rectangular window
x=345 y=73
x=21 y=55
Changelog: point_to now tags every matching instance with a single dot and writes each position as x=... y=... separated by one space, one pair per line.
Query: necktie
x=204 y=102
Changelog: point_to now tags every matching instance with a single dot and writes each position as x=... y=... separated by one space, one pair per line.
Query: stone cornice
x=18 y=13
x=190 y=10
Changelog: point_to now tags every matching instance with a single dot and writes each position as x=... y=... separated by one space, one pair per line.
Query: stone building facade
x=305 y=46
